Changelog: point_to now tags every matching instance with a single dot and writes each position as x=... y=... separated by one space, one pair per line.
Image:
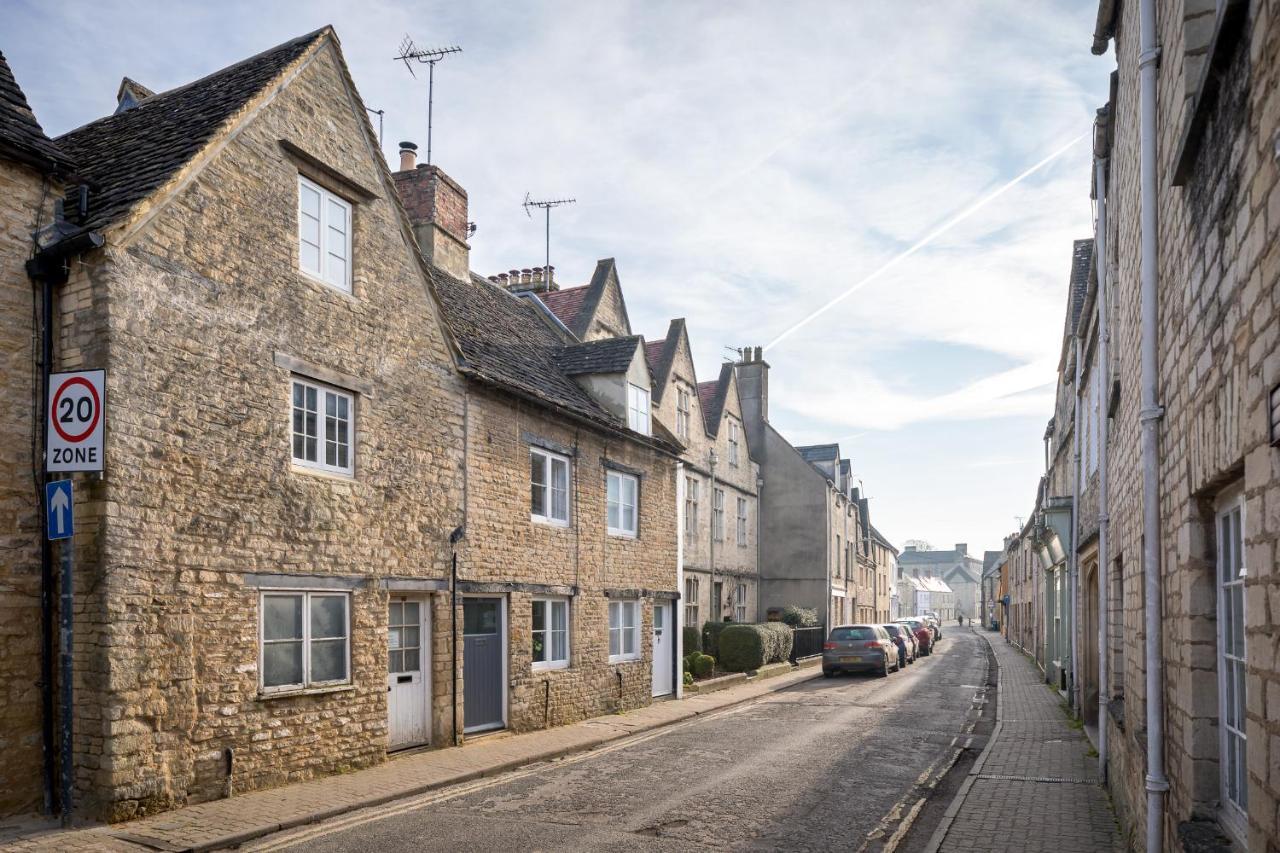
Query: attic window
x=638 y=409
x=324 y=235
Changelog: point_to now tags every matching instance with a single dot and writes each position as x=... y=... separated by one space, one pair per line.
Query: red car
x=924 y=637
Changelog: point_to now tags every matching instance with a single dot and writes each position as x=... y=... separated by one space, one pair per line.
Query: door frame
x=504 y=634
x=425 y=602
x=669 y=627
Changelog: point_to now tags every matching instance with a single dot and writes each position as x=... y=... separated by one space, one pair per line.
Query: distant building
x=961 y=573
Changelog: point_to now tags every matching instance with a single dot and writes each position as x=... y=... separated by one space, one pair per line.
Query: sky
x=745 y=163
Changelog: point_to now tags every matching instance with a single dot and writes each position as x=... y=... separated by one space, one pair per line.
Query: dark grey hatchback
x=858 y=648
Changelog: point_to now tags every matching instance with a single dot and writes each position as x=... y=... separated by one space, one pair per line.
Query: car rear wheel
x=884 y=670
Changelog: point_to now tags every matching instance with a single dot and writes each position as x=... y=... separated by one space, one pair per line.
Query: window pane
x=615 y=642
x=282 y=617
x=629 y=519
x=538 y=480
x=395 y=637
x=328 y=660
x=559 y=645
x=613 y=487
x=411 y=640
x=539 y=615
x=628 y=641
x=615 y=518
x=629 y=491
x=282 y=664
x=412 y=660
x=411 y=613
x=395 y=661
x=335 y=270
x=328 y=616
x=560 y=615
x=615 y=615
x=559 y=504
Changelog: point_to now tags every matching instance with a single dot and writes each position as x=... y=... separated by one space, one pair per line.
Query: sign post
x=74 y=424
x=75 y=421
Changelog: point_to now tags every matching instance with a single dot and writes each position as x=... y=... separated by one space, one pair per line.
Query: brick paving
x=223 y=823
x=1036 y=786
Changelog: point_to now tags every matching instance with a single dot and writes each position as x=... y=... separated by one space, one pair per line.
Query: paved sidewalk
x=224 y=823
x=1035 y=787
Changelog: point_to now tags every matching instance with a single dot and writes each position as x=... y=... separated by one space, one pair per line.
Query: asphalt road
x=815 y=767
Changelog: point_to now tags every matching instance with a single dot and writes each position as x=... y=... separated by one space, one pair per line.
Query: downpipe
x=1104 y=519
x=1073 y=572
x=1150 y=414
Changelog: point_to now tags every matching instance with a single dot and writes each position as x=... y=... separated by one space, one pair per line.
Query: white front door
x=663 y=648
x=408 y=671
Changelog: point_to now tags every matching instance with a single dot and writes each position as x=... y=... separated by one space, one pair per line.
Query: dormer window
x=324 y=235
x=638 y=409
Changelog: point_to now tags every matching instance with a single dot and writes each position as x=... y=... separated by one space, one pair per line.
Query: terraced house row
x=356 y=497
x=1145 y=582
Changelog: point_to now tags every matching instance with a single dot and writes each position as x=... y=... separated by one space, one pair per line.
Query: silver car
x=859 y=648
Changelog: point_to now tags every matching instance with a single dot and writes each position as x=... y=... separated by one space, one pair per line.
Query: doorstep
x=225 y=823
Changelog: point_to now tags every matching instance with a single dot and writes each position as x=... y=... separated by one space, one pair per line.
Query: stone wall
x=1219 y=272
x=504 y=546
x=206 y=318
x=20 y=523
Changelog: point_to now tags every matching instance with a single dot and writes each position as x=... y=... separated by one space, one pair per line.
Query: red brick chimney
x=437 y=207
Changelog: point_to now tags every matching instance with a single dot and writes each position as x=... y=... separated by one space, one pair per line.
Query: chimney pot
x=501 y=278
x=408 y=156
x=526 y=276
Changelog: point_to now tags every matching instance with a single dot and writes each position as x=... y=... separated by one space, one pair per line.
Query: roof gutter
x=1104 y=27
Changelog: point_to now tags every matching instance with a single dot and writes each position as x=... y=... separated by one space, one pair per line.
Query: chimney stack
x=962 y=548
x=753 y=388
x=437 y=208
x=408 y=156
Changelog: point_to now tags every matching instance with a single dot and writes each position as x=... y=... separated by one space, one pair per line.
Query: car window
x=892 y=630
x=844 y=634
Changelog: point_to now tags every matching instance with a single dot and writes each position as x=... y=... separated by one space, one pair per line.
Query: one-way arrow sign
x=59 y=509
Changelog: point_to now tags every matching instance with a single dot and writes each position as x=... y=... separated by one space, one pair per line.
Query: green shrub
x=703 y=664
x=690 y=660
x=747 y=647
x=800 y=617
x=692 y=640
x=688 y=678
x=710 y=637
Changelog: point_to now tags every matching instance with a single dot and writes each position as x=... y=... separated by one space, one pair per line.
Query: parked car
x=905 y=641
x=935 y=623
x=923 y=633
x=857 y=648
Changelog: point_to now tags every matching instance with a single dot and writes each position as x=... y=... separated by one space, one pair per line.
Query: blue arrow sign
x=58 y=507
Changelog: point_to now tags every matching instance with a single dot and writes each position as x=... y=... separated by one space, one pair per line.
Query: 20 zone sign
x=75 y=421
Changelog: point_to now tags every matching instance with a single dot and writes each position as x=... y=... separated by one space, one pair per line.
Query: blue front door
x=482 y=664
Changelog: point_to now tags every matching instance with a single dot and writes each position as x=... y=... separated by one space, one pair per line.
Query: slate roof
x=883 y=540
x=505 y=342
x=1081 y=262
x=127 y=156
x=653 y=354
x=712 y=397
x=820 y=452
x=565 y=304
x=608 y=355
x=21 y=136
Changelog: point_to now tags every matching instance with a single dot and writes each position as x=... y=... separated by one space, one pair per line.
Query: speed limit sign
x=75 y=420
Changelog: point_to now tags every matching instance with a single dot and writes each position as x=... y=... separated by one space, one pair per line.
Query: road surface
x=814 y=767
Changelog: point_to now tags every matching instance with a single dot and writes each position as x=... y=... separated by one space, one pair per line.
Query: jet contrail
x=924 y=241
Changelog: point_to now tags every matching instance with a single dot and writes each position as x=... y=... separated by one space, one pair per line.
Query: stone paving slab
x=1036 y=786
x=225 y=823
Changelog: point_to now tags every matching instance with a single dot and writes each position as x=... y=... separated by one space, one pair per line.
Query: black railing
x=806 y=642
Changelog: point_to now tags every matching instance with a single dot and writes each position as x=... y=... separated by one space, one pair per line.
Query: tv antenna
x=409 y=52
x=546 y=205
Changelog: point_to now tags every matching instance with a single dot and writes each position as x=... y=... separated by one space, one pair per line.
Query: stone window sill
x=306 y=691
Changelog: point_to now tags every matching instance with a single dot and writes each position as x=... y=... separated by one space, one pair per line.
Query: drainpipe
x=718 y=613
x=678 y=618
x=1150 y=414
x=1073 y=571
x=1104 y=519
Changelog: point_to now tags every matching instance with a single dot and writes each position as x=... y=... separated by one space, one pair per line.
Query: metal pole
x=67 y=619
x=1104 y=518
x=431 y=97
x=46 y=558
x=546 y=271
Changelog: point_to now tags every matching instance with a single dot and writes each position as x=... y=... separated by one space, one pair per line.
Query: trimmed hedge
x=748 y=647
x=711 y=637
x=703 y=664
x=692 y=640
x=800 y=617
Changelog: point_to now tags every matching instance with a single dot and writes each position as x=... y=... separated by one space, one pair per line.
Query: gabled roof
x=21 y=136
x=712 y=397
x=653 y=354
x=820 y=452
x=565 y=304
x=608 y=355
x=504 y=342
x=1081 y=261
x=880 y=537
x=128 y=156
x=661 y=362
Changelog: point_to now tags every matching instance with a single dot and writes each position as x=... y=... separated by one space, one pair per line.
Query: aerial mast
x=410 y=53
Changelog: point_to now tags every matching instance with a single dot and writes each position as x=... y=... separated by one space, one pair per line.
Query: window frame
x=549 y=602
x=322 y=426
x=684 y=410
x=1230 y=508
x=622 y=478
x=326 y=196
x=733 y=442
x=306 y=640
x=691 y=585
x=740 y=603
x=742 y=522
x=548 y=489
x=622 y=656
x=691 y=486
x=717 y=514
x=634 y=393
